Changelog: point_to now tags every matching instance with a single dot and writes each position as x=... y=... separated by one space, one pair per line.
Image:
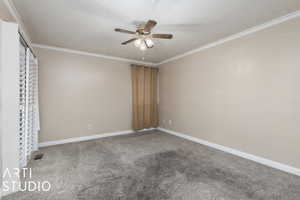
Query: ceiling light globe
x=143 y=46
x=138 y=42
x=149 y=42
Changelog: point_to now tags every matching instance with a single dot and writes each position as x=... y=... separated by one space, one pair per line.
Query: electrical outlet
x=170 y=122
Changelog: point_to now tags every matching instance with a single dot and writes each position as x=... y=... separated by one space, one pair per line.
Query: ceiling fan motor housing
x=141 y=30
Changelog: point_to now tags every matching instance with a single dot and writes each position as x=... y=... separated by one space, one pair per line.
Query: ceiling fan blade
x=124 y=31
x=162 y=36
x=150 y=24
x=128 y=41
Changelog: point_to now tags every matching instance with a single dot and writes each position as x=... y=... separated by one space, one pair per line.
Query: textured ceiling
x=88 y=25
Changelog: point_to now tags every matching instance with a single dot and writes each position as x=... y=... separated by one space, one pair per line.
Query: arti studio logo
x=27 y=185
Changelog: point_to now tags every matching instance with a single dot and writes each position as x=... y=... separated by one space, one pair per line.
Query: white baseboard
x=264 y=161
x=91 y=137
x=85 y=138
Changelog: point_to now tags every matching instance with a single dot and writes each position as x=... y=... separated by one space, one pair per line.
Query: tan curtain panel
x=144 y=91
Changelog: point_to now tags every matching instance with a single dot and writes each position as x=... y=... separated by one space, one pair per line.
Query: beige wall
x=82 y=95
x=244 y=94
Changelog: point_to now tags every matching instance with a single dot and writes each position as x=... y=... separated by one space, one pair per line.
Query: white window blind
x=29 y=110
x=22 y=102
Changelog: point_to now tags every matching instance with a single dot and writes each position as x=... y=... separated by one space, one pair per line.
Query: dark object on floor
x=38 y=156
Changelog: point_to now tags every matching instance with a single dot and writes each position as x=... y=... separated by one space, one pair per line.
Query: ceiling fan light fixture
x=143 y=39
x=143 y=46
x=149 y=42
x=138 y=42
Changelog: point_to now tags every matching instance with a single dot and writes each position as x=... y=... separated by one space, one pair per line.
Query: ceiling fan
x=143 y=39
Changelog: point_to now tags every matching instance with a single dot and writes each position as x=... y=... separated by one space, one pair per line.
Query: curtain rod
x=26 y=44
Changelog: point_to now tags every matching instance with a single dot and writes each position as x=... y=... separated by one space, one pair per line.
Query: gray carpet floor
x=154 y=165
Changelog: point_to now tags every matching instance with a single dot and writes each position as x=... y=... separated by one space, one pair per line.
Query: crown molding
x=14 y=12
x=236 y=36
x=41 y=46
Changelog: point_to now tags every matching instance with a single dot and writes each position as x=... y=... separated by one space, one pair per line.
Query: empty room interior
x=150 y=99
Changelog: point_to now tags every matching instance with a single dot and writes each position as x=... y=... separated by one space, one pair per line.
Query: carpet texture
x=153 y=166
